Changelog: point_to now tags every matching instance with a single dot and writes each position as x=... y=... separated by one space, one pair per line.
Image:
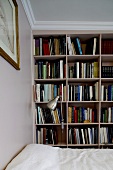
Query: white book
x=92 y=71
x=33 y=46
x=105 y=135
x=94 y=46
x=90 y=137
x=38 y=92
x=82 y=70
x=109 y=115
x=45 y=92
x=40 y=46
x=71 y=92
x=83 y=138
x=69 y=46
x=70 y=137
x=62 y=93
x=91 y=92
x=90 y=113
x=102 y=92
x=77 y=136
x=96 y=91
x=49 y=92
x=61 y=69
x=101 y=135
x=86 y=135
x=39 y=137
x=36 y=71
x=85 y=114
x=68 y=92
x=39 y=116
x=80 y=93
x=77 y=64
x=36 y=116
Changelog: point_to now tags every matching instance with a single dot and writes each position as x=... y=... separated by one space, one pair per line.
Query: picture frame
x=9 y=32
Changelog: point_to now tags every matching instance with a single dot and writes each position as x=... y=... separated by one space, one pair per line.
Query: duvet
x=44 y=157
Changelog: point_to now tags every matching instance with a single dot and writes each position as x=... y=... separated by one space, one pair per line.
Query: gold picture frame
x=9 y=32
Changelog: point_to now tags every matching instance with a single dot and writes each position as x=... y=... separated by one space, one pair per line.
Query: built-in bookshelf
x=78 y=67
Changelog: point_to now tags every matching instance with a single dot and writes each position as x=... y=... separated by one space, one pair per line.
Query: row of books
x=46 y=92
x=49 y=45
x=57 y=46
x=44 y=115
x=46 y=136
x=107 y=92
x=107 y=71
x=46 y=70
x=83 y=135
x=81 y=114
x=75 y=46
x=106 y=115
x=83 y=70
x=107 y=46
x=106 y=135
x=83 y=92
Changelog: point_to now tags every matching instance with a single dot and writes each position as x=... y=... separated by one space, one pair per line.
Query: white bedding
x=43 y=157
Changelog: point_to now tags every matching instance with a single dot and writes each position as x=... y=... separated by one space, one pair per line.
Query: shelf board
x=49 y=57
x=59 y=144
x=82 y=102
x=106 y=144
x=82 y=144
x=81 y=57
x=84 y=124
x=82 y=79
x=48 y=101
x=106 y=123
x=107 y=80
x=50 y=80
x=51 y=124
x=106 y=101
x=106 y=57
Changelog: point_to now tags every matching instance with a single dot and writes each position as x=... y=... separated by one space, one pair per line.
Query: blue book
x=78 y=92
x=109 y=93
x=83 y=115
x=78 y=46
x=55 y=90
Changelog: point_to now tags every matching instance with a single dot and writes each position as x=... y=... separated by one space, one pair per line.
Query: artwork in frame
x=9 y=34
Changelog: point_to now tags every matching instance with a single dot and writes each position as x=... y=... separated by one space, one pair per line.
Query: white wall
x=72 y=10
x=16 y=128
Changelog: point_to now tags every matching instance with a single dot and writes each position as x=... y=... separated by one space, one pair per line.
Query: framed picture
x=9 y=35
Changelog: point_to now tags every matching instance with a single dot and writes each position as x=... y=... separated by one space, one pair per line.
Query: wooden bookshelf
x=80 y=83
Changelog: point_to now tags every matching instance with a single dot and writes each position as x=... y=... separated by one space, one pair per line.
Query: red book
x=93 y=116
x=75 y=115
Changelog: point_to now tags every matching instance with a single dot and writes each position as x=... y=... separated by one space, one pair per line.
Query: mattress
x=44 y=157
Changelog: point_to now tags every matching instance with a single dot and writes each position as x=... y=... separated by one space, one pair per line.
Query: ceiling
x=43 y=12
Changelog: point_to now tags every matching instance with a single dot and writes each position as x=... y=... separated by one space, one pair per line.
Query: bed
x=44 y=157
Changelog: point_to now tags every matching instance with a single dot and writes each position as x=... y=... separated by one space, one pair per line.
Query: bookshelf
x=77 y=65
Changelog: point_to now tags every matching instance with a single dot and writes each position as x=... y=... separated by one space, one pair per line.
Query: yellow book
x=95 y=69
x=69 y=114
